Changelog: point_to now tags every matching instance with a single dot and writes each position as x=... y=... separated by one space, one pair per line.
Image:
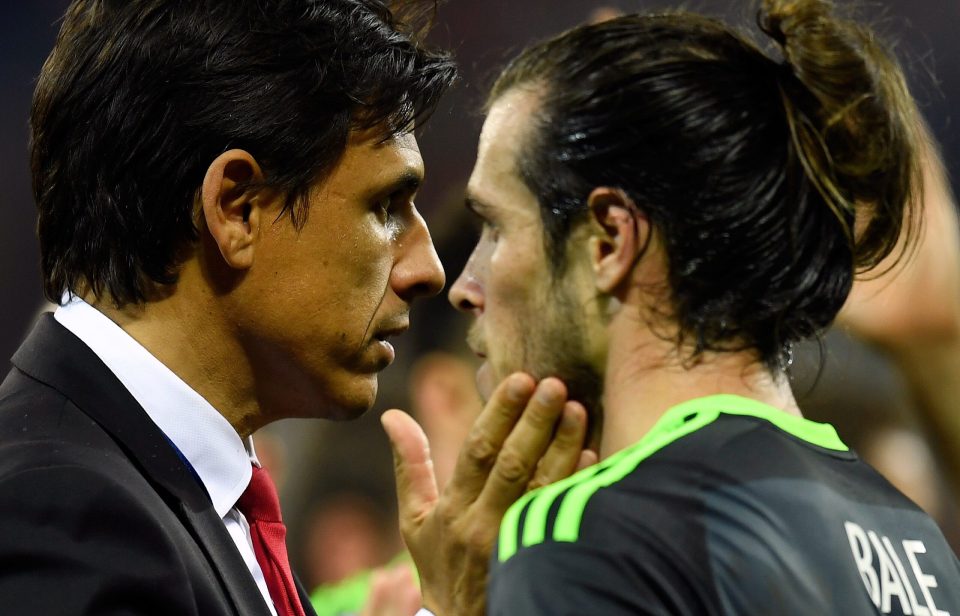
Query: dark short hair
x=770 y=182
x=139 y=96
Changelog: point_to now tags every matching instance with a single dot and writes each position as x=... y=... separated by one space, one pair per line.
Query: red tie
x=260 y=505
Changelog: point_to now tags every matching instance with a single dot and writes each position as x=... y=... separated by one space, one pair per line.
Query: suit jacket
x=98 y=512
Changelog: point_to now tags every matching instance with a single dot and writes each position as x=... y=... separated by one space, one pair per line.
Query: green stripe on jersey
x=567 y=525
x=534 y=526
x=676 y=423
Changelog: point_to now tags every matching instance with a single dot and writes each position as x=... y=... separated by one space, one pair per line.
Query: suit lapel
x=304 y=597
x=53 y=355
x=221 y=551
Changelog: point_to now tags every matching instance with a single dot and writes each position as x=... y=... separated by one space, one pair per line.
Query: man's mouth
x=392 y=327
x=473 y=341
x=383 y=334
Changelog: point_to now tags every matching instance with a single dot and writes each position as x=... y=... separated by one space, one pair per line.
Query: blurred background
x=336 y=479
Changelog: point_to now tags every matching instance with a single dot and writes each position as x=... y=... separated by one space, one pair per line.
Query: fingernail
x=547 y=393
x=516 y=388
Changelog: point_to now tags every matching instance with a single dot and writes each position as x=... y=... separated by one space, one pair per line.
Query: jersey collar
x=708 y=408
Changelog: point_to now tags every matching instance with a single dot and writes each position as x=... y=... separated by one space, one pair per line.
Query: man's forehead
x=373 y=167
x=496 y=177
x=399 y=152
x=509 y=121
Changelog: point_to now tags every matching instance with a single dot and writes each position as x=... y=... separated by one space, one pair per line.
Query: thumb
x=416 y=485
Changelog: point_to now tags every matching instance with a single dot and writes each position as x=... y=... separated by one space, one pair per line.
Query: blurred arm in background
x=912 y=312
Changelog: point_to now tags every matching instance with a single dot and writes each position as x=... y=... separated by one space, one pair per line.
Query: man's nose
x=466 y=294
x=418 y=272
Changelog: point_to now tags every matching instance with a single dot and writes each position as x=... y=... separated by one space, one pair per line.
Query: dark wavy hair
x=770 y=180
x=139 y=96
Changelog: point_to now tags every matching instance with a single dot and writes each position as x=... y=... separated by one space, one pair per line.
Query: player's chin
x=487 y=380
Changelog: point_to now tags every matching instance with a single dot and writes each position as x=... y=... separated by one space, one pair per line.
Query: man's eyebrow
x=407 y=182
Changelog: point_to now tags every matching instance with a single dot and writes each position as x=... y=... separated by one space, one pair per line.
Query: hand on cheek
x=528 y=435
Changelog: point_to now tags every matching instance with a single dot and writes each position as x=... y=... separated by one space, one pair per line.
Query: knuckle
x=566 y=443
x=540 y=418
x=566 y=437
x=512 y=467
x=481 y=450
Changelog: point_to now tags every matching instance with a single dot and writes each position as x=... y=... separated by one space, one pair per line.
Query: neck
x=182 y=330
x=647 y=375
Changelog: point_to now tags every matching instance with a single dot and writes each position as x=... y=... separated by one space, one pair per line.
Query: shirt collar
x=205 y=438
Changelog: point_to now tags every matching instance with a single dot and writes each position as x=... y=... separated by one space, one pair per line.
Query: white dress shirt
x=207 y=440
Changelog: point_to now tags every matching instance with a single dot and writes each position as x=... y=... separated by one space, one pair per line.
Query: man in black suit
x=225 y=193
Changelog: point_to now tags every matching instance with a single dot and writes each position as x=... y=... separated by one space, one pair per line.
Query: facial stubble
x=556 y=345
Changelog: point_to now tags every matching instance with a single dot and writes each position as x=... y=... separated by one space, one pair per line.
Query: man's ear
x=232 y=212
x=622 y=233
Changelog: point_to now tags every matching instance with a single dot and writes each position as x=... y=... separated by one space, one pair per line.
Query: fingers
x=588 y=457
x=487 y=436
x=523 y=449
x=451 y=543
x=416 y=485
x=393 y=592
x=564 y=454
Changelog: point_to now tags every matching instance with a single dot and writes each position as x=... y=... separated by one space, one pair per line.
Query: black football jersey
x=727 y=506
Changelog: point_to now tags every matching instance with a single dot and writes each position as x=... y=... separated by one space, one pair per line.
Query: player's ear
x=622 y=233
x=232 y=208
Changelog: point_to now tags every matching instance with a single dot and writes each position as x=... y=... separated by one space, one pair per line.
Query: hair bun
x=854 y=125
x=781 y=19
